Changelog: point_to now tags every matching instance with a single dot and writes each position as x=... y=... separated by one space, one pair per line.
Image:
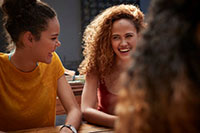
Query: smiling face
x=124 y=38
x=48 y=42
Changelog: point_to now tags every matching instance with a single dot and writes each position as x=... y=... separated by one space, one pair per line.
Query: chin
x=127 y=58
x=48 y=62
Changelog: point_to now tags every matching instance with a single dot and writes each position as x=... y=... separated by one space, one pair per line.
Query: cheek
x=114 y=48
x=49 y=45
x=133 y=42
x=114 y=44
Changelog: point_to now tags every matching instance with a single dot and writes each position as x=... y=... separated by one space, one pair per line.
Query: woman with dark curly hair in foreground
x=108 y=40
x=161 y=89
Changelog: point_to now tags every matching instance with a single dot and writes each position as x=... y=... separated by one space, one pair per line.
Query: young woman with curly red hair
x=108 y=41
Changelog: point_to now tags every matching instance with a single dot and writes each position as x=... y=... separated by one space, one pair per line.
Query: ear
x=28 y=39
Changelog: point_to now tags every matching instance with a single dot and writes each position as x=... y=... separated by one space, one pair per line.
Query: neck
x=21 y=59
x=122 y=65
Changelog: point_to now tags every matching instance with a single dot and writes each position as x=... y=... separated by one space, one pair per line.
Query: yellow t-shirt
x=28 y=100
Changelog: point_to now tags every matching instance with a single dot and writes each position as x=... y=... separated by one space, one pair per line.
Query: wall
x=144 y=4
x=69 y=15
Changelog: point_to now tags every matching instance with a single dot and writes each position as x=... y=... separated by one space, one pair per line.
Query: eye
x=129 y=35
x=115 y=37
x=54 y=38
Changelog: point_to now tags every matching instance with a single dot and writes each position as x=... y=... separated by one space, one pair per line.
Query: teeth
x=124 y=50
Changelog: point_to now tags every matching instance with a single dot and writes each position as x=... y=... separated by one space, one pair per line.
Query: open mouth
x=124 y=50
x=50 y=55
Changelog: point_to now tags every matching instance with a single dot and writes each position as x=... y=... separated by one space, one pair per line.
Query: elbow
x=85 y=112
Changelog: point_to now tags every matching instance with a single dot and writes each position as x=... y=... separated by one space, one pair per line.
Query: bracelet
x=72 y=128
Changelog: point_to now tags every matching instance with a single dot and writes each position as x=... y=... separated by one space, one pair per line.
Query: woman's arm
x=89 y=103
x=68 y=101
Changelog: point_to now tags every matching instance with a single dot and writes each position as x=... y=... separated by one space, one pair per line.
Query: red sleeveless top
x=106 y=100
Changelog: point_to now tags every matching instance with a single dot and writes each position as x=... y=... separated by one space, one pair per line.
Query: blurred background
x=74 y=16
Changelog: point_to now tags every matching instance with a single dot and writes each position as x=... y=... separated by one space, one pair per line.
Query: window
x=91 y=8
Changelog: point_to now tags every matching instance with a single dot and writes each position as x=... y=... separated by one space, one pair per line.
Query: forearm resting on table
x=100 y=118
x=74 y=118
x=69 y=103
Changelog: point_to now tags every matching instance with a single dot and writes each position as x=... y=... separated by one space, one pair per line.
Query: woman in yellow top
x=33 y=75
x=108 y=42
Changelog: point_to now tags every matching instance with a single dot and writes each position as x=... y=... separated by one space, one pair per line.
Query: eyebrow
x=116 y=34
x=130 y=33
x=56 y=34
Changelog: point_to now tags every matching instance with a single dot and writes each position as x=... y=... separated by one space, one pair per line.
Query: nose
x=58 y=43
x=123 y=42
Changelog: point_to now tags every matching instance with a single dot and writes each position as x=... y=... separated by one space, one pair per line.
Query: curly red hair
x=98 y=53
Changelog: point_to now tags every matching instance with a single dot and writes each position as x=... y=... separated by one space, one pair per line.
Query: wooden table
x=84 y=128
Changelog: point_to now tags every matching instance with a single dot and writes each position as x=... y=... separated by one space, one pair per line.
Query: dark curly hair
x=98 y=53
x=161 y=89
x=25 y=15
